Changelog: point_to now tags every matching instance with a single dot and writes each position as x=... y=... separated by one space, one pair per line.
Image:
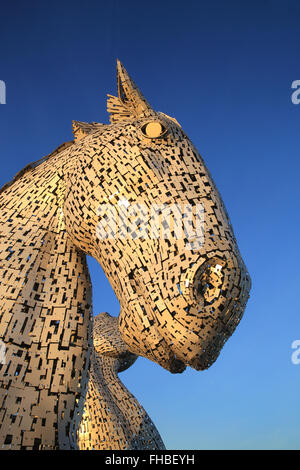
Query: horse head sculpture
x=178 y=304
x=137 y=196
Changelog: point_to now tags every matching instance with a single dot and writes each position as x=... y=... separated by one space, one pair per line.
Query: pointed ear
x=81 y=129
x=130 y=102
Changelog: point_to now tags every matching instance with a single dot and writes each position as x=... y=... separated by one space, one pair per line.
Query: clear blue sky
x=224 y=70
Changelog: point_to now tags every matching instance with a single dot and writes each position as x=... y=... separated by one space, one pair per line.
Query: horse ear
x=130 y=102
x=81 y=129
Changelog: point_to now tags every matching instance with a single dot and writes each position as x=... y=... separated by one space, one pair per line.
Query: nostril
x=208 y=281
x=132 y=281
x=135 y=281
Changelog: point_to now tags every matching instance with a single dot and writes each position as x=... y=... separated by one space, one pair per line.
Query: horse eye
x=153 y=130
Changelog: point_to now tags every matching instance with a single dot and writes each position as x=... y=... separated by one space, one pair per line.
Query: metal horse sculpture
x=180 y=300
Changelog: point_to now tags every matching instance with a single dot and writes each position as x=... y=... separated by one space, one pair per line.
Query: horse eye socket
x=153 y=130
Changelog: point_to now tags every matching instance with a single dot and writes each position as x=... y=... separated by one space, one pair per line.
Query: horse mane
x=32 y=165
x=80 y=130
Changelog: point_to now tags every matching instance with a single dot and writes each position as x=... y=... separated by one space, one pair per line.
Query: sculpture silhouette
x=181 y=296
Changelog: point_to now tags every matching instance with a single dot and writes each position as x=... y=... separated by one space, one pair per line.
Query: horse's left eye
x=154 y=130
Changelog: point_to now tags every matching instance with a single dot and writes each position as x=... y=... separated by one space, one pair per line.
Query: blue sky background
x=224 y=70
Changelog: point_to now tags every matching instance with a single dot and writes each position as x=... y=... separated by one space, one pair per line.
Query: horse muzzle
x=190 y=327
x=216 y=291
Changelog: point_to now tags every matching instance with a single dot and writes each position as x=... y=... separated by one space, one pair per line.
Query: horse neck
x=41 y=273
x=45 y=312
x=128 y=426
x=38 y=260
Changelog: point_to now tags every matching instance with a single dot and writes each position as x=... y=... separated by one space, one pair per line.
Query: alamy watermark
x=159 y=221
x=2 y=92
x=295 y=357
x=295 y=97
x=2 y=353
